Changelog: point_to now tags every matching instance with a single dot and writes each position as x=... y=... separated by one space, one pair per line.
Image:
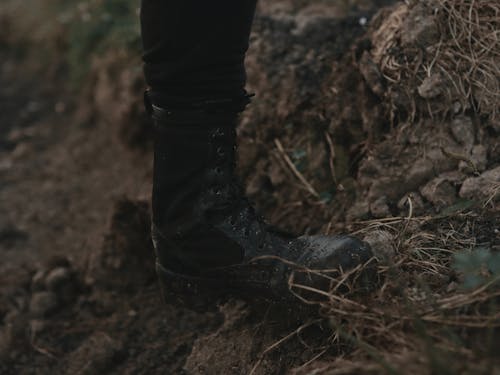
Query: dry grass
x=417 y=318
x=440 y=56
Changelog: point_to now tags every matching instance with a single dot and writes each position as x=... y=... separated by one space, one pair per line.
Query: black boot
x=209 y=242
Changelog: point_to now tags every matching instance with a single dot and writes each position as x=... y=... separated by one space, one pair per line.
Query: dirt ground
x=323 y=149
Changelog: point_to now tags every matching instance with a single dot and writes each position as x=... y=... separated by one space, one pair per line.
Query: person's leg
x=207 y=236
x=195 y=48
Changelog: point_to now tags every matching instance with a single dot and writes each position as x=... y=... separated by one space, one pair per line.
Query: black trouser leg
x=195 y=48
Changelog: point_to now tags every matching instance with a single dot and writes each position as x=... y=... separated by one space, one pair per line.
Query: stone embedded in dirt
x=392 y=187
x=431 y=86
x=43 y=304
x=441 y=191
x=462 y=129
x=96 y=355
x=380 y=208
x=419 y=28
x=477 y=162
x=422 y=170
x=479 y=157
x=485 y=186
x=63 y=283
x=58 y=278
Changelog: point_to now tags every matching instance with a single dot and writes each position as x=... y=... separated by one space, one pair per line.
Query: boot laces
x=233 y=199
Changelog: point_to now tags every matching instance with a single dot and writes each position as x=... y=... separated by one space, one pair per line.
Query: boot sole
x=197 y=294
x=205 y=294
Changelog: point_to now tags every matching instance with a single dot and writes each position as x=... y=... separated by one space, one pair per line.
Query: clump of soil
x=437 y=57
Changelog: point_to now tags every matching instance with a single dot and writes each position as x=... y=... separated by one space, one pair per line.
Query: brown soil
x=78 y=294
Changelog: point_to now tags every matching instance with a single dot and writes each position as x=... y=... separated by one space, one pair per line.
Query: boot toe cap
x=327 y=252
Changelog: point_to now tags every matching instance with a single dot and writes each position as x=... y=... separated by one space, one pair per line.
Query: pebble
x=58 y=277
x=482 y=187
x=462 y=129
x=382 y=244
x=380 y=208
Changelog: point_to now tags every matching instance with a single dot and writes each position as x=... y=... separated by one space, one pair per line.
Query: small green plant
x=478 y=267
x=98 y=26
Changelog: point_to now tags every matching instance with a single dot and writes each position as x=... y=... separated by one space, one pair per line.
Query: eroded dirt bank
x=329 y=145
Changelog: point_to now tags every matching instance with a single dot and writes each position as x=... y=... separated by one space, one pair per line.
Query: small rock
x=392 y=187
x=382 y=244
x=380 y=207
x=457 y=107
x=452 y=287
x=421 y=171
x=431 y=87
x=96 y=355
x=43 y=304
x=479 y=157
x=478 y=160
x=481 y=187
x=439 y=192
x=57 y=278
x=442 y=162
x=462 y=129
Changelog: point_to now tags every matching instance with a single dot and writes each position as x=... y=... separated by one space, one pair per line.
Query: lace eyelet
x=214 y=191
x=221 y=152
x=217 y=133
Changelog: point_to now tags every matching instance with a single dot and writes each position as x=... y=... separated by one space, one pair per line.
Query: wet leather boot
x=209 y=241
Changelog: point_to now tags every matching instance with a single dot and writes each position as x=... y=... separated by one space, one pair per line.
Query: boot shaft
x=194 y=162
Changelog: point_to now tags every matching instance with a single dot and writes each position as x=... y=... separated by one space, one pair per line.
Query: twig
x=294 y=170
